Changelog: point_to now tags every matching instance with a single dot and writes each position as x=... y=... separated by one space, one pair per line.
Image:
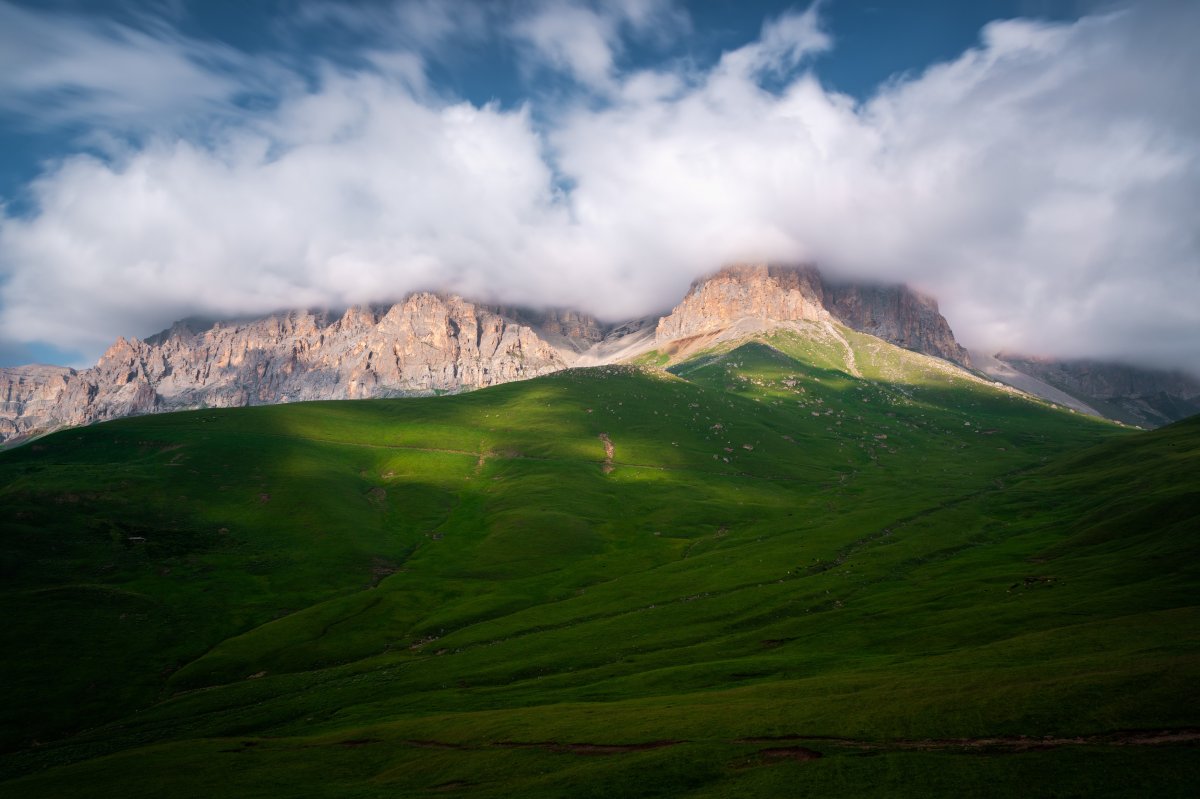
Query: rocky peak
x=755 y=291
x=121 y=351
x=780 y=294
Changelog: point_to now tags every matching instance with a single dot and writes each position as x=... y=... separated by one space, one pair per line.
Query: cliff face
x=27 y=394
x=425 y=344
x=897 y=314
x=1134 y=395
x=790 y=294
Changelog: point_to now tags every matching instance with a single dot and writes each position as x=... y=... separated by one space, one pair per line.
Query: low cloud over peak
x=1043 y=184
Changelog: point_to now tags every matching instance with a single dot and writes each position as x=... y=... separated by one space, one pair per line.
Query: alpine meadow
x=612 y=399
x=775 y=568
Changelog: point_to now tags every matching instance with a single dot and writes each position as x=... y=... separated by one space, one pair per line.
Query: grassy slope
x=370 y=598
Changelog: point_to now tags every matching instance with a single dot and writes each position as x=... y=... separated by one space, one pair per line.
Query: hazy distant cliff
x=1134 y=395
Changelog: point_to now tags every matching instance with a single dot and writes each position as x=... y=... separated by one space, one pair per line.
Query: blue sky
x=1031 y=162
x=876 y=40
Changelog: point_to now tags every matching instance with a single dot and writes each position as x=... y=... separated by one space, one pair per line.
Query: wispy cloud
x=58 y=69
x=426 y=26
x=1044 y=183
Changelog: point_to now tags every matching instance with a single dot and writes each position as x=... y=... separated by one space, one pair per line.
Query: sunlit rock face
x=425 y=344
x=783 y=294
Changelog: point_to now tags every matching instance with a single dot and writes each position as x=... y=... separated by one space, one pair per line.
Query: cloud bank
x=1045 y=184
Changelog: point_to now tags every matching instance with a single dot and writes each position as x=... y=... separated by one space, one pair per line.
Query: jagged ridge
x=425 y=344
x=431 y=343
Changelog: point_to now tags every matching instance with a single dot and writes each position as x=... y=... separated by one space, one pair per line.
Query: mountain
x=1129 y=394
x=431 y=343
x=800 y=562
x=744 y=298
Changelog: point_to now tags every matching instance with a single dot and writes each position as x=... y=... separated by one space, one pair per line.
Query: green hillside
x=802 y=565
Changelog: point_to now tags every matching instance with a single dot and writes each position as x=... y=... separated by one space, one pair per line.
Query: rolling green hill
x=802 y=564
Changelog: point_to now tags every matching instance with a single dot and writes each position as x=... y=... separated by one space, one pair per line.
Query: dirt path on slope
x=851 y=363
x=1004 y=743
x=609 y=449
x=585 y=748
x=782 y=747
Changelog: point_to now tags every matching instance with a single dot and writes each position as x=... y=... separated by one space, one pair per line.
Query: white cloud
x=583 y=39
x=572 y=38
x=1044 y=184
x=785 y=41
x=360 y=193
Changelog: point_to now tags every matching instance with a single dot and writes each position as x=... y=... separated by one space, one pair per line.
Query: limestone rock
x=426 y=344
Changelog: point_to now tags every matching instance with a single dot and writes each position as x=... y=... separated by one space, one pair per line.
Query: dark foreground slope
x=781 y=570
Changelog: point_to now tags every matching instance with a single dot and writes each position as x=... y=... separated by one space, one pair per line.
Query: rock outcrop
x=894 y=313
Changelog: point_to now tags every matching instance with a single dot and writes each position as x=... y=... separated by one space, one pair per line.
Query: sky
x=1034 y=164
